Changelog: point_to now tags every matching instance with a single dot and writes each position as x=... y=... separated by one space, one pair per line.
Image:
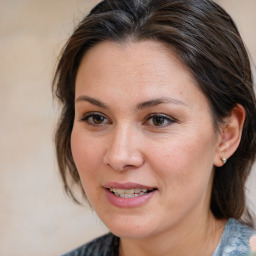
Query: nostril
x=123 y=153
x=123 y=160
x=128 y=166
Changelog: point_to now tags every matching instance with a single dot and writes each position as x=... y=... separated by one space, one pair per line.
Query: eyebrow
x=155 y=102
x=93 y=101
x=140 y=106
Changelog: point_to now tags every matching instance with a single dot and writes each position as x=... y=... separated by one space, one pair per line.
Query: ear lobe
x=231 y=133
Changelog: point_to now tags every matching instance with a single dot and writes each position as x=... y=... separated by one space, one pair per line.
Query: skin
x=122 y=142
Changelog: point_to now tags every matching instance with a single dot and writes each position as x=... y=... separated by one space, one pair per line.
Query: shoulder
x=102 y=246
x=235 y=239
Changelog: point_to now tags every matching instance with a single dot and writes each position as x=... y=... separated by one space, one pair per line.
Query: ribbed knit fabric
x=235 y=240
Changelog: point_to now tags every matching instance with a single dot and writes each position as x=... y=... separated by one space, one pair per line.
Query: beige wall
x=36 y=218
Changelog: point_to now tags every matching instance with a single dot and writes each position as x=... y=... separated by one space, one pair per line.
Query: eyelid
x=171 y=120
x=161 y=115
x=87 y=115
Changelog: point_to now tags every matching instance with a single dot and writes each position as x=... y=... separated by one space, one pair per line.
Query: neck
x=198 y=238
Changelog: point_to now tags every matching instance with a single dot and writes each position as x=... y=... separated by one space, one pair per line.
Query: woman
x=158 y=127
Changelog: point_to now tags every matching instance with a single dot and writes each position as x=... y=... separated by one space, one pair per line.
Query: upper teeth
x=128 y=193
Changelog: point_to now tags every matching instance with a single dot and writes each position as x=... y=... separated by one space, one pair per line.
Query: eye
x=159 y=120
x=95 y=119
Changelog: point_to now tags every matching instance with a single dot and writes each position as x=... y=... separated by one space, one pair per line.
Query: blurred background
x=36 y=217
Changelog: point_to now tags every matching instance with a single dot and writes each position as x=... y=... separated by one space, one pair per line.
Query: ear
x=231 y=133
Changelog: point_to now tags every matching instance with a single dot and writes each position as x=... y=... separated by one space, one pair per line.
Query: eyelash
x=167 y=120
x=87 y=116
x=164 y=118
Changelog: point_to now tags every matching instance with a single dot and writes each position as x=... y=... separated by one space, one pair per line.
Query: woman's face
x=143 y=139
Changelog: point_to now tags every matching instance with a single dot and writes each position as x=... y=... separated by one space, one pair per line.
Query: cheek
x=86 y=153
x=184 y=161
x=183 y=174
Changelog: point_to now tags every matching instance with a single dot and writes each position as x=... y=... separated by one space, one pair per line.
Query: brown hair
x=207 y=41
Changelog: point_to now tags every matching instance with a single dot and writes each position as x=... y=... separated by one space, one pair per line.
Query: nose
x=124 y=151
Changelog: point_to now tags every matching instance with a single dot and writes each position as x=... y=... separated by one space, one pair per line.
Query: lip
x=126 y=185
x=128 y=202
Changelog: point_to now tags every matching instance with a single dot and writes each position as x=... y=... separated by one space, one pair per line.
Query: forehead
x=130 y=55
x=137 y=68
x=143 y=58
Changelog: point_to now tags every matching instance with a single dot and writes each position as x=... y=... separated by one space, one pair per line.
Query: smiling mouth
x=130 y=193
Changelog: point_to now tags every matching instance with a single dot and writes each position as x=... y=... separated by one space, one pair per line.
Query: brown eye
x=95 y=119
x=158 y=120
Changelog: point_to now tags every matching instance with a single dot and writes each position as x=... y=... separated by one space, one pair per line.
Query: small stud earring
x=224 y=160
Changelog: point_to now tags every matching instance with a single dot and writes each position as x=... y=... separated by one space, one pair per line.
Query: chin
x=131 y=233
x=132 y=227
